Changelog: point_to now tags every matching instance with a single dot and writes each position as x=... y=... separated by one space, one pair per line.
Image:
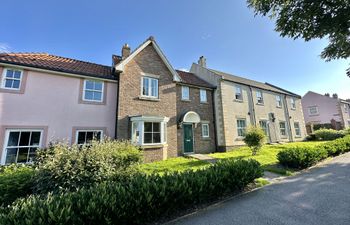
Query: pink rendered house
x=322 y=109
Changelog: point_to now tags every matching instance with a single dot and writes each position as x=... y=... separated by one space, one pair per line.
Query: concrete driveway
x=318 y=196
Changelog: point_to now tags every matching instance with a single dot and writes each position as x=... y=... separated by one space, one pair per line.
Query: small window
x=150 y=87
x=152 y=133
x=21 y=145
x=203 y=95
x=259 y=97
x=297 y=129
x=87 y=136
x=292 y=103
x=185 y=93
x=143 y=132
x=313 y=110
x=11 y=79
x=93 y=91
x=238 y=94
x=283 y=129
x=241 y=127
x=205 y=130
x=278 y=101
x=263 y=126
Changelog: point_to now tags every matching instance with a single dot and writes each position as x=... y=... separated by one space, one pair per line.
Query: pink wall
x=52 y=101
x=328 y=108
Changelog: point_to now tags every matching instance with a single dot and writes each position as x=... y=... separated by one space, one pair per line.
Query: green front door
x=188 y=138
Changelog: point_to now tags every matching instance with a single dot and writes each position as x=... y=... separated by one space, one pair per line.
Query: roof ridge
x=214 y=70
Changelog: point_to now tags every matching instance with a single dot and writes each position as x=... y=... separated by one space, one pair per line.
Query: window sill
x=299 y=136
x=185 y=100
x=284 y=137
x=279 y=107
x=314 y=115
x=91 y=102
x=238 y=100
x=144 y=98
x=262 y=104
x=239 y=139
x=205 y=103
x=206 y=138
x=153 y=146
x=293 y=109
x=11 y=91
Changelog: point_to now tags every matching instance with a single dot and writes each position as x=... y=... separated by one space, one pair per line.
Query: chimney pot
x=125 y=51
x=202 y=61
x=327 y=94
x=335 y=95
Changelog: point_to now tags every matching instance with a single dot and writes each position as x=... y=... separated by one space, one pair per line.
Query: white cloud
x=184 y=69
x=4 y=48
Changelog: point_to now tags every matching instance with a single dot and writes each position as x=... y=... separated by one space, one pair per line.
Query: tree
x=310 y=19
x=254 y=138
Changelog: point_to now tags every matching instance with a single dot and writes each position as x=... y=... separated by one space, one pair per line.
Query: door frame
x=183 y=138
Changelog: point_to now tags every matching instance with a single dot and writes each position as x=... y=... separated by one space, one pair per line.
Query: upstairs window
x=241 y=127
x=238 y=93
x=259 y=97
x=278 y=101
x=93 y=91
x=292 y=103
x=150 y=87
x=283 y=129
x=87 y=136
x=203 y=95
x=11 y=79
x=313 y=110
x=185 y=93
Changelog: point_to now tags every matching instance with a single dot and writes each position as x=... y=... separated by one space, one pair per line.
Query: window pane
x=145 y=86
x=147 y=138
x=8 y=83
x=154 y=87
x=13 y=139
x=81 y=138
x=89 y=84
x=22 y=155
x=156 y=138
x=156 y=127
x=11 y=155
x=148 y=127
x=98 y=96
x=89 y=95
x=185 y=92
x=9 y=73
x=98 y=86
x=89 y=136
x=32 y=154
x=35 y=140
x=17 y=74
x=16 y=84
x=24 y=139
x=97 y=135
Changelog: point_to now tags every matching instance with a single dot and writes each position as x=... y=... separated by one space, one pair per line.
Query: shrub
x=254 y=138
x=323 y=126
x=328 y=134
x=338 y=146
x=69 y=168
x=15 y=181
x=301 y=157
x=141 y=200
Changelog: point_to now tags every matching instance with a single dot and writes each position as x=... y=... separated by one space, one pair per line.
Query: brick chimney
x=327 y=94
x=125 y=51
x=335 y=95
x=202 y=61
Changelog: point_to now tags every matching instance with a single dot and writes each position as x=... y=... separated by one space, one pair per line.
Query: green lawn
x=267 y=155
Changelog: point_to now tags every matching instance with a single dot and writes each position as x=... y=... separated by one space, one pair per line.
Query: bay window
x=148 y=130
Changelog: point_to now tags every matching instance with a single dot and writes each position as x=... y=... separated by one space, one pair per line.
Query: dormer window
x=150 y=87
x=11 y=79
x=93 y=91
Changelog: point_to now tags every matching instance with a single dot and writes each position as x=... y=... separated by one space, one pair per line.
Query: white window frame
x=149 y=87
x=278 y=101
x=259 y=99
x=240 y=128
x=86 y=130
x=313 y=107
x=7 y=135
x=204 y=135
x=284 y=128
x=203 y=95
x=4 y=78
x=93 y=90
x=297 y=129
x=185 y=93
x=137 y=130
x=238 y=93
x=293 y=104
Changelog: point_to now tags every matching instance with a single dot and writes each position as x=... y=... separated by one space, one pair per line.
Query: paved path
x=315 y=197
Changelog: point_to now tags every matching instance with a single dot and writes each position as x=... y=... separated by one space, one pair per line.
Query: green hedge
x=15 y=181
x=302 y=157
x=143 y=199
x=328 y=134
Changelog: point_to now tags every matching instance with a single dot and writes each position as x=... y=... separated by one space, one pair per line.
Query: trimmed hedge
x=138 y=201
x=328 y=134
x=15 y=181
x=303 y=157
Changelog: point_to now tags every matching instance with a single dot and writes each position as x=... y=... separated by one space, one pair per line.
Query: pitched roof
x=192 y=79
x=57 y=63
x=253 y=83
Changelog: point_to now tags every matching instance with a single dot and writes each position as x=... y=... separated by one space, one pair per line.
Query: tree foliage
x=254 y=138
x=311 y=19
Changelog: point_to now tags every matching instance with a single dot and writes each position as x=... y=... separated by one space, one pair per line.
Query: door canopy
x=191 y=117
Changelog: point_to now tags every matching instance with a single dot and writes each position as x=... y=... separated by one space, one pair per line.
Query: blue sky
x=224 y=31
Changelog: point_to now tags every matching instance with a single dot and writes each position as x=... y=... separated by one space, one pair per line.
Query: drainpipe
x=214 y=119
x=286 y=110
x=117 y=106
x=252 y=117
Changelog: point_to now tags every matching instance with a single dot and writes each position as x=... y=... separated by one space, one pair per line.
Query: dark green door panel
x=188 y=138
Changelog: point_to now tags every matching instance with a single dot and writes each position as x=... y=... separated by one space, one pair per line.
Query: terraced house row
x=141 y=98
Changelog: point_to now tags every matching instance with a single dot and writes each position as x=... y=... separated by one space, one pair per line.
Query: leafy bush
x=301 y=157
x=323 y=126
x=338 y=146
x=141 y=200
x=69 y=168
x=328 y=134
x=254 y=138
x=15 y=181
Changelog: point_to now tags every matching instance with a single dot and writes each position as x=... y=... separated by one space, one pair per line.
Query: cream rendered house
x=241 y=102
